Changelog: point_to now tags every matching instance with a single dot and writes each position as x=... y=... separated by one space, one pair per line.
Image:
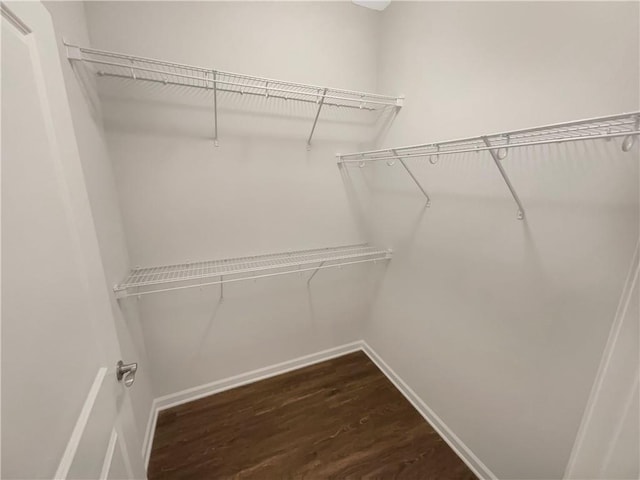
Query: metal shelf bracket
x=314 y=272
x=426 y=195
x=215 y=108
x=73 y=52
x=496 y=158
x=315 y=120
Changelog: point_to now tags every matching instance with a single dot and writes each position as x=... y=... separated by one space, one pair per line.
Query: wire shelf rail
x=624 y=125
x=143 y=281
x=112 y=64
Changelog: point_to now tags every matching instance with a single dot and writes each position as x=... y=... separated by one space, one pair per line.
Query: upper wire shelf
x=620 y=125
x=112 y=64
x=142 y=281
x=625 y=125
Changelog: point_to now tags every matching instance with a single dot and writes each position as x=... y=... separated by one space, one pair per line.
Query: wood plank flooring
x=338 y=419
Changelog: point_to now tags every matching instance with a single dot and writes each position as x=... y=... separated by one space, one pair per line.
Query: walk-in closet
x=342 y=239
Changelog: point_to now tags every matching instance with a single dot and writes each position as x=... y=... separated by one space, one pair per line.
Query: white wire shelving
x=144 y=281
x=112 y=64
x=624 y=125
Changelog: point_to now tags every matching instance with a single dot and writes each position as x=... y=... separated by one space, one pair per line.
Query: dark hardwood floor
x=338 y=419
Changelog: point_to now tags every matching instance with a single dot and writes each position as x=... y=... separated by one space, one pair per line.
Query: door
x=608 y=441
x=64 y=413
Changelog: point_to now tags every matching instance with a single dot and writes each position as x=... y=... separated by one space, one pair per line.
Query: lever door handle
x=126 y=373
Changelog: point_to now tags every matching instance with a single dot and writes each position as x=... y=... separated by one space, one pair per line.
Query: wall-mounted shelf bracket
x=315 y=120
x=496 y=158
x=314 y=272
x=426 y=195
x=214 y=74
x=73 y=52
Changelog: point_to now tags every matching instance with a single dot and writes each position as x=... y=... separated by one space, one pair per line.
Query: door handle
x=126 y=373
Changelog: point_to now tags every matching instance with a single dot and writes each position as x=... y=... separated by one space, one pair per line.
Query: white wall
x=70 y=23
x=259 y=192
x=499 y=324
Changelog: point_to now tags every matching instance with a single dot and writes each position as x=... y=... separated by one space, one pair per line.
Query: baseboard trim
x=148 y=434
x=457 y=445
x=201 y=391
x=195 y=393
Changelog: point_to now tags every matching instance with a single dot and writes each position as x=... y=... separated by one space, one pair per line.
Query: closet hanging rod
x=208 y=80
x=229 y=90
x=144 y=281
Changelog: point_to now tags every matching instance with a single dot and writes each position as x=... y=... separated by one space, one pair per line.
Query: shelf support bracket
x=119 y=293
x=426 y=195
x=73 y=52
x=221 y=287
x=315 y=120
x=315 y=271
x=215 y=108
x=496 y=159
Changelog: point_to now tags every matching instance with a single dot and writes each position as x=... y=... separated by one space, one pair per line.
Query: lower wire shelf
x=143 y=281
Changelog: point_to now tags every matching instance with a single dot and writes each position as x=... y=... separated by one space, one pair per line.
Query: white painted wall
x=498 y=324
x=259 y=192
x=70 y=22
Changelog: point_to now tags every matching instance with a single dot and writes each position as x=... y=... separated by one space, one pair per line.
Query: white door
x=608 y=441
x=64 y=413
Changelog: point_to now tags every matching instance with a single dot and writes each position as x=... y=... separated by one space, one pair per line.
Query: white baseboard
x=464 y=452
x=148 y=434
x=195 y=393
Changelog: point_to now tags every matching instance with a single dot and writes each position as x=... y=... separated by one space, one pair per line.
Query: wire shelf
x=112 y=64
x=621 y=125
x=142 y=281
x=626 y=125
